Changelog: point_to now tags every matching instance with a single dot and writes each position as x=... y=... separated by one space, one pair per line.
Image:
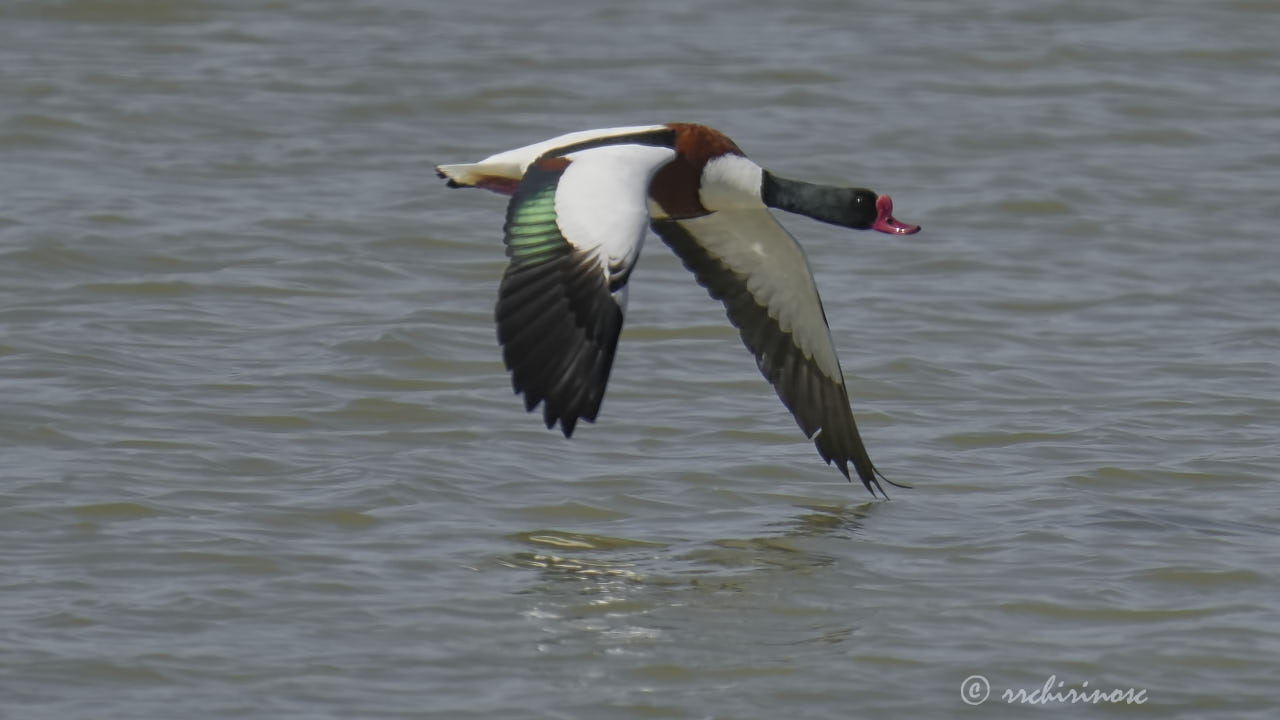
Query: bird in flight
x=575 y=223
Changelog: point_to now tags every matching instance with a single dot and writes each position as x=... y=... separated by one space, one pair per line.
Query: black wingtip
x=870 y=480
x=873 y=486
x=875 y=473
x=870 y=484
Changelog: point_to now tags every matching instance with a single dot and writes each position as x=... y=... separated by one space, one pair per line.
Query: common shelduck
x=575 y=223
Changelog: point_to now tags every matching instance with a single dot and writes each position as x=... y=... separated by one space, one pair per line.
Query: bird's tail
x=499 y=178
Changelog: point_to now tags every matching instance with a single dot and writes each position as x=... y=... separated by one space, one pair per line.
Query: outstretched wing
x=749 y=262
x=574 y=230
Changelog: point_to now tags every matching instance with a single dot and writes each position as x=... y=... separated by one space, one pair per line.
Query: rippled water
x=259 y=456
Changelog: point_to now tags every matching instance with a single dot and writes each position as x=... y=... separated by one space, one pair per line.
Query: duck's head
x=869 y=211
x=851 y=207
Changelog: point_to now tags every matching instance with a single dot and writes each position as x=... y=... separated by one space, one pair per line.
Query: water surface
x=260 y=457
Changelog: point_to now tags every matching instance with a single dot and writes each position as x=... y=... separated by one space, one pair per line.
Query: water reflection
x=629 y=599
x=842 y=521
x=568 y=555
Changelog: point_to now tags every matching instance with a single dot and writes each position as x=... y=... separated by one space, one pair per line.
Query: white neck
x=730 y=181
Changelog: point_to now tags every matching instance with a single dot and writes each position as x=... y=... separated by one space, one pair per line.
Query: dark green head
x=857 y=208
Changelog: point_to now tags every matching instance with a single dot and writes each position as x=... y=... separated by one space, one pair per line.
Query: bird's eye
x=862 y=208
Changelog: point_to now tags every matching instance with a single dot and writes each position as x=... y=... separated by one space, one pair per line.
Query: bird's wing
x=574 y=229
x=749 y=262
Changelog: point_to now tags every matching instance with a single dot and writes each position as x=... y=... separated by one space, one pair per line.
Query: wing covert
x=750 y=263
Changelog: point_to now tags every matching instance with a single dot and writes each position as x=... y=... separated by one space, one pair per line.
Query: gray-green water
x=259 y=457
